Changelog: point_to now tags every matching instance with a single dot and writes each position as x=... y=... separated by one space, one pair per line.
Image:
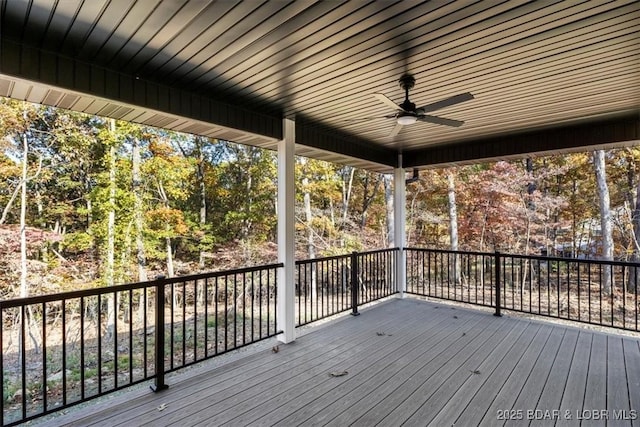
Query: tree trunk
x=141 y=256
x=7 y=207
x=170 y=268
x=311 y=248
x=453 y=224
x=111 y=233
x=24 y=291
x=368 y=198
x=632 y=284
x=605 y=217
x=203 y=194
x=347 y=187
x=388 y=198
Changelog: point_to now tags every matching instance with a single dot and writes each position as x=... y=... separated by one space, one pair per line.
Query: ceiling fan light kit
x=407 y=113
x=406 y=119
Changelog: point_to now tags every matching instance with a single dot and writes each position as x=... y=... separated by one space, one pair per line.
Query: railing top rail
x=448 y=251
x=322 y=259
x=377 y=251
x=573 y=260
x=535 y=257
x=39 y=299
x=344 y=256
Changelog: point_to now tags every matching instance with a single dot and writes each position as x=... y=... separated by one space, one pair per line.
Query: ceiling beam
x=618 y=131
x=31 y=63
x=316 y=136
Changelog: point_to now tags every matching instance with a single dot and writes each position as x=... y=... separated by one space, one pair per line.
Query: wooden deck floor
x=407 y=362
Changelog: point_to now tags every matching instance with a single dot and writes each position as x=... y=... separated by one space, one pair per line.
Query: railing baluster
x=99 y=333
x=235 y=309
x=144 y=329
x=206 y=317
x=172 y=326
x=115 y=340
x=23 y=360
x=624 y=300
x=184 y=322
x=44 y=356
x=160 y=384
x=252 y=307
x=216 y=297
x=275 y=299
x=130 y=303
x=497 y=284
x=354 y=284
x=82 y=345
x=195 y=320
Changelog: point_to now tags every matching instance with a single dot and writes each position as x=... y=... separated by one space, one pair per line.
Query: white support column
x=286 y=232
x=399 y=233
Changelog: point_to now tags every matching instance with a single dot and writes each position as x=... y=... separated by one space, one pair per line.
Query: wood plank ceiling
x=545 y=75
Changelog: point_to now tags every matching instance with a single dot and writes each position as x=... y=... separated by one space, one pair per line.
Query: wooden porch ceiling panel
x=237 y=68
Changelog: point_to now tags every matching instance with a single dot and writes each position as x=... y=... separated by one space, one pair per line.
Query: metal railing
x=458 y=276
x=60 y=350
x=597 y=292
x=332 y=285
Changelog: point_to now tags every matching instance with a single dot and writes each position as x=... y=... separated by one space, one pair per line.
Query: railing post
x=159 y=357
x=497 y=280
x=354 y=284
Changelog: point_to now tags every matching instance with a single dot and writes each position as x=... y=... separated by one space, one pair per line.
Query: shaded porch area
x=403 y=361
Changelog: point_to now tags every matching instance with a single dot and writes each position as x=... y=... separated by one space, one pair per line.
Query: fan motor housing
x=407 y=82
x=408 y=106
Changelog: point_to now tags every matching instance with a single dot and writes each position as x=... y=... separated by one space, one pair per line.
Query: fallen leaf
x=275 y=349
x=162 y=407
x=476 y=372
x=338 y=373
x=380 y=334
x=455 y=317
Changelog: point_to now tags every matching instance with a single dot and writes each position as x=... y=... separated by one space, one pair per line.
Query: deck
x=404 y=362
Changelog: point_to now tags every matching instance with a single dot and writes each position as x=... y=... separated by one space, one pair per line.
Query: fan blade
x=365 y=119
x=389 y=103
x=446 y=102
x=440 y=121
x=395 y=130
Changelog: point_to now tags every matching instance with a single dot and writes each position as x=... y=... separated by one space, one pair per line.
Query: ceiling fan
x=407 y=113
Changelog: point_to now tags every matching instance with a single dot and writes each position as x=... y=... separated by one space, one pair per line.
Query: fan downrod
x=407 y=82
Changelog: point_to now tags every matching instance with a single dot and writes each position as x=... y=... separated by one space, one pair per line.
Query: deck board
x=573 y=396
x=508 y=393
x=554 y=388
x=595 y=397
x=407 y=361
x=617 y=391
x=372 y=395
x=500 y=359
x=323 y=408
x=403 y=390
x=632 y=363
x=532 y=389
x=473 y=367
x=314 y=381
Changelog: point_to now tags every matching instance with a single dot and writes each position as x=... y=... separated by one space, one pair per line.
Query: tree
x=453 y=223
x=605 y=216
x=170 y=174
